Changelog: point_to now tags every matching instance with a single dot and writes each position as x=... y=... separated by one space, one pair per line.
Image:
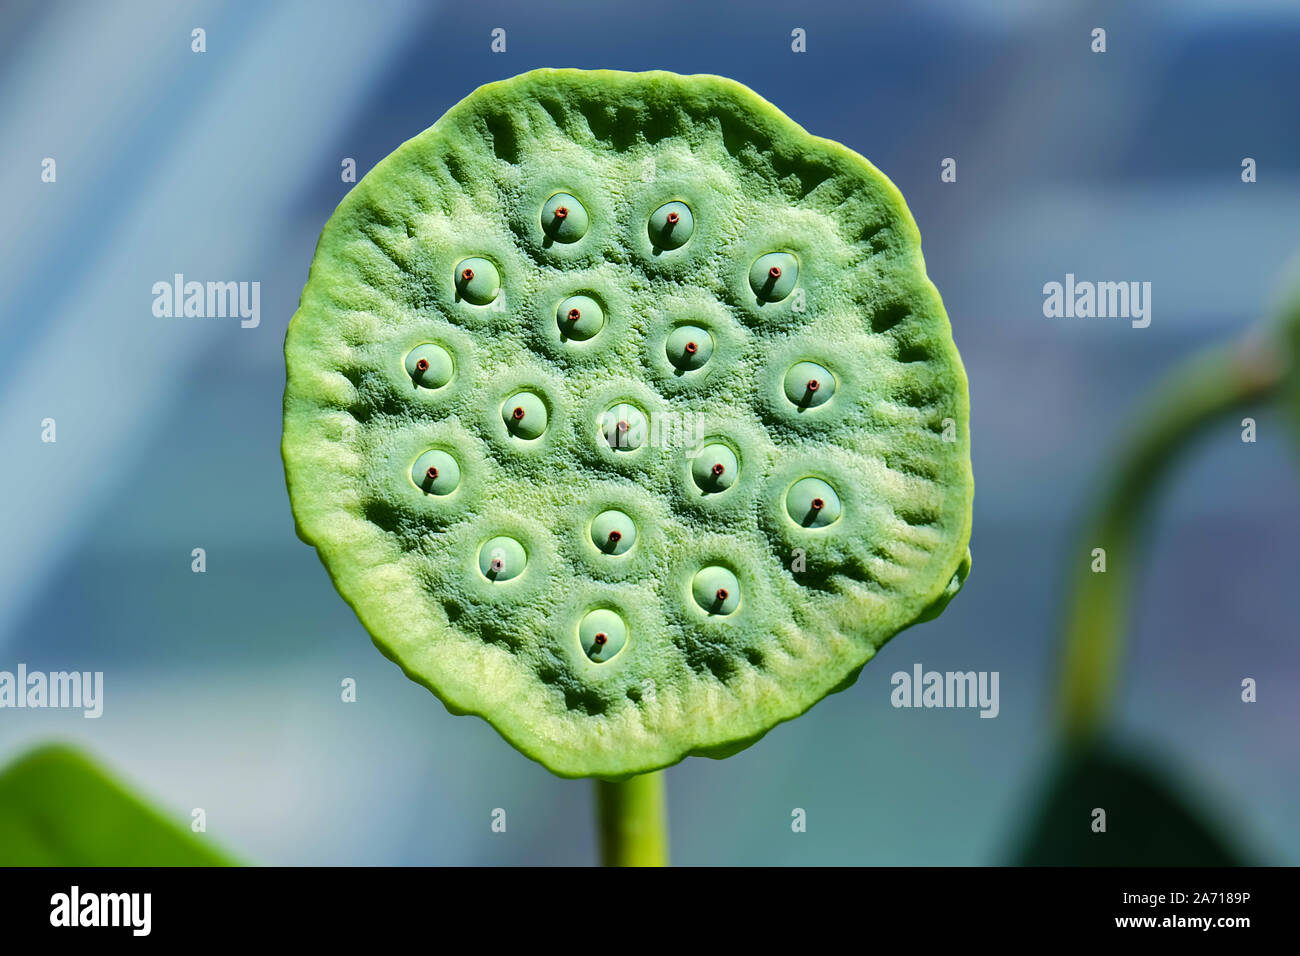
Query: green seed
x=602 y=634
x=812 y=503
x=716 y=590
x=429 y=365
x=772 y=276
x=501 y=558
x=613 y=532
x=525 y=415
x=579 y=317
x=564 y=219
x=671 y=225
x=624 y=427
x=715 y=468
x=436 y=473
x=689 y=347
x=477 y=280
x=808 y=384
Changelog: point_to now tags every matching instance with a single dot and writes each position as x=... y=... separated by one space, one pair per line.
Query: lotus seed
x=772 y=276
x=579 y=317
x=436 y=473
x=715 y=468
x=613 y=532
x=671 y=225
x=716 y=590
x=477 y=280
x=602 y=634
x=525 y=415
x=429 y=365
x=501 y=558
x=624 y=427
x=689 y=347
x=813 y=503
x=808 y=385
x=564 y=219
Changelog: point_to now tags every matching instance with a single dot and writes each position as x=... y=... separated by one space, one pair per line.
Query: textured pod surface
x=727 y=613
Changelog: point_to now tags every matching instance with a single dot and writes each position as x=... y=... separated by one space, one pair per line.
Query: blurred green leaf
x=1149 y=820
x=57 y=808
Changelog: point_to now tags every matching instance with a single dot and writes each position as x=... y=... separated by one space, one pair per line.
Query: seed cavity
x=624 y=427
x=477 y=280
x=773 y=276
x=579 y=317
x=716 y=590
x=502 y=558
x=671 y=225
x=613 y=532
x=429 y=365
x=715 y=468
x=564 y=219
x=602 y=633
x=812 y=503
x=808 y=385
x=435 y=472
x=689 y=347
x=524 y=414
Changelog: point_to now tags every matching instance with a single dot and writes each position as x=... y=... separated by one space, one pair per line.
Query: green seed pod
x=505 y=590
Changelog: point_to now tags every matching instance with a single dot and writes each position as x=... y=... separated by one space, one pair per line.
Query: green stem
x=633 y=821
x=1205 y=388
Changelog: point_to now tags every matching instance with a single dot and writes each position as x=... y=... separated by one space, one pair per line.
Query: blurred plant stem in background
x=1203 y=390
x=632 y=817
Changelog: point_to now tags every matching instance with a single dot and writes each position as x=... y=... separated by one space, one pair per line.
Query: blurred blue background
x=222 y=689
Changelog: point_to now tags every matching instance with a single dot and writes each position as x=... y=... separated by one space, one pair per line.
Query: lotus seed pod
x=661 y=529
